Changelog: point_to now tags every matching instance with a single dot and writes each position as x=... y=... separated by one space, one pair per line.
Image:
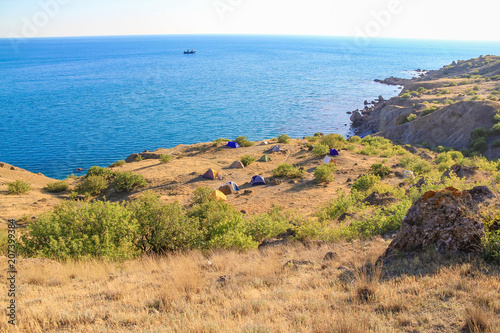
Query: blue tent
x=334 y=152
x=232 y=144
x=234 y=185
x=258 y=180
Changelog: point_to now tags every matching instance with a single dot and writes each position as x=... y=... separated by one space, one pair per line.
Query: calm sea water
x=67 y=103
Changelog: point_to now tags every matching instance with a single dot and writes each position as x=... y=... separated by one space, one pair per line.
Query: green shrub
x=221 y=226
x=336 y=141
x=476 y=88
x=449 y=101
x=92 y=185
x=288 y=171
x=421 y=90
x=243 y=141
x=138 y=158
x=406 y=95
x=163 y=227
x=117 y=163
x=98 y=171
x=495 y=129
x=452 y=84
x=18 y=187
x=82 y=230
x=491 y=240
x=478 y=133
x=283 y=138
x=166 y=158
x=126 y=181
x=56 y=187
x=247 y=160
x=320 y=150
x=324 y=173
x=415 y=164
x=365 y=182
x=354 y=139
x=411 y=118
x=369 y=151
x=269 y=225
x=429 y=110
x=4 y=243
x=479 y=145
x=215 y=143
x=380 y=170
x=496 y=143
x=476 y=98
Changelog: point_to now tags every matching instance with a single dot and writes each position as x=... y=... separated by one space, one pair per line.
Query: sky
x=412 y=19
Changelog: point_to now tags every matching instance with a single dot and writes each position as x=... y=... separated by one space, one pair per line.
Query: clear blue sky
x=429 y=19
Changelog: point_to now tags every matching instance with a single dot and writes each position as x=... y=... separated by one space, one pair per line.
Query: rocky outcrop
x=394 y=81
x=446 y=221
x=450 y=127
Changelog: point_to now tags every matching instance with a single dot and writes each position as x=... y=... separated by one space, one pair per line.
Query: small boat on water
x=190 y=51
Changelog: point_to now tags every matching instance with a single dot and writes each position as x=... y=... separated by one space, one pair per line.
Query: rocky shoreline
x=437 y=108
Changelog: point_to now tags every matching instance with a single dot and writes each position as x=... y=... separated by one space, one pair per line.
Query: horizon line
x=250 y=34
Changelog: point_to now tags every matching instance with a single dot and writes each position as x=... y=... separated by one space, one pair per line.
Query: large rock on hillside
x=447 y=221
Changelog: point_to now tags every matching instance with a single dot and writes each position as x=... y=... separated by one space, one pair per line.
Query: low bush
x=215 y=143
x=380 y=170
x=354 y=139
x=452 y=84
x=163 y=227
x=283 y=138
x=92 y=185
x=117 y=164
x=411 y=117
x=18 y=187
x=98 y=171
x=82 y=230
x=496 y=143
x=415 y=164
x=138 y=158
x=166 y=158
x=320 y=150
x=333 y=141
x=243 y=141
x=247 y=160
x=126 y=181
x=288 y=171
x=324 y=173
x=365 y=182
x=56 y=187
x=406 y=95
x=429 y=110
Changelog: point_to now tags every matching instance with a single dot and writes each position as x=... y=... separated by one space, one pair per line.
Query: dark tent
x=334 y=152
x=232 y=144
x=258 y=180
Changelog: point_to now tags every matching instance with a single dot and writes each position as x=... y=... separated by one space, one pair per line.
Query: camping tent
x=334 y=152
x=218 y=195
x=265 y=158
x=234 y=185
x=210 y=174
x=232 y=144
x=328 y=159
x=263 y=143
x=276 y=149
x=258 y=180
x=237 y=165
x=229 y=188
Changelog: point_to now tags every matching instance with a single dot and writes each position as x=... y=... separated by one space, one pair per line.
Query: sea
x=68 y=103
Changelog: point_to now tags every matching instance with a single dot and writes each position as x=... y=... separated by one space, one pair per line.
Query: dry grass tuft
x=476 y=321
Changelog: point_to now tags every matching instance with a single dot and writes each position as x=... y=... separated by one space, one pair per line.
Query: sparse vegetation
x=138 y=158
x=93 y=185
x=165 y=158
x=117 y=164
x=126 y=181
x=283 y=138
x=365 y=182
x=288 y=171
x=56 y=187
x=247 y=160
x=320 y=150
x=244 y=142
x=18 y=187
x=324 y=173
x=380 y=170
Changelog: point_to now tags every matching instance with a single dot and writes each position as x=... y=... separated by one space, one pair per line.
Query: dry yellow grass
x=259 y=292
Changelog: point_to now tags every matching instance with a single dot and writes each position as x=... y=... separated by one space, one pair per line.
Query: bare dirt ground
x=179 y=178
